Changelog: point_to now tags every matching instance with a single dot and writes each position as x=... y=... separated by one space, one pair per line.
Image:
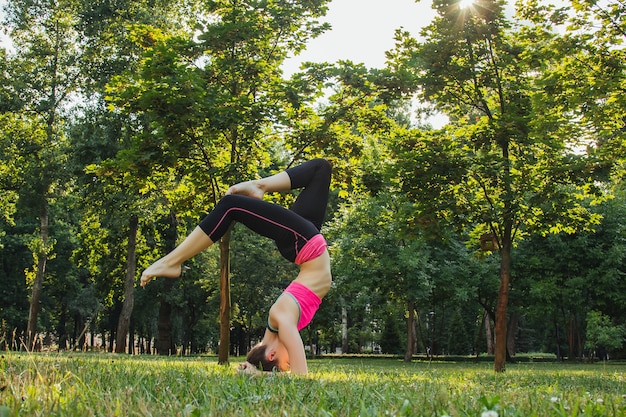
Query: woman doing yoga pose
x=296 y=232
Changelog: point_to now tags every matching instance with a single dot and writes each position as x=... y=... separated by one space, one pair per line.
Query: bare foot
x=247 y=188
x=159 y=269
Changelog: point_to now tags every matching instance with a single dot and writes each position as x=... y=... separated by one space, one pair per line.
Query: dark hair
x=257 y=357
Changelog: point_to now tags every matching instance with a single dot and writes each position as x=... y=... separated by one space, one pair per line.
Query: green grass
x=119 y=385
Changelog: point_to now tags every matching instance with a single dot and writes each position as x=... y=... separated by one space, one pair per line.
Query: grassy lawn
x=71 y=384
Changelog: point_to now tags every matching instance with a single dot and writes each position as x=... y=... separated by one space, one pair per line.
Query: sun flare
x=465 y=4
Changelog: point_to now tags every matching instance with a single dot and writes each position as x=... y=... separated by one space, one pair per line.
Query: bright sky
x=363 y=30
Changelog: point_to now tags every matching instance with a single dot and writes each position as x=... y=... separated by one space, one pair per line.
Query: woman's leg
x=256 y=188
x=314 y=177
x=288 y=229
x=170 y=265
x=267 y=219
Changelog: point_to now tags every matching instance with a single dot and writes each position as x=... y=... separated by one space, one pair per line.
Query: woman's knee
x=231 y=200
x=324 y=165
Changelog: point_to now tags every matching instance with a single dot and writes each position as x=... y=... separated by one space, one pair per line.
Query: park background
x=498 y=232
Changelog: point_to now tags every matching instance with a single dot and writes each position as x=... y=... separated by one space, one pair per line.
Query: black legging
x=289 y=228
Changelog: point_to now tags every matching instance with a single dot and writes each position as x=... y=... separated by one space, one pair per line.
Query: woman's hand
x=248 y=368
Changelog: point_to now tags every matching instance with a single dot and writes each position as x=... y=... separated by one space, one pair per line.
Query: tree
x=560 y=278
x=374 y=260
x=208 y=105
x=14 y=256
x=131 y=264
x=601 y=333
x=490 y=169
x=581 y=77
x=44 y=75
x=99 y=134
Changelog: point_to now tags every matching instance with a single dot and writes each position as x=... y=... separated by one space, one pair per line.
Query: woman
x=296 y=232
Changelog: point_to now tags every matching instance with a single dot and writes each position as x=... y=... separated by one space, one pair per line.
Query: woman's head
x=258 y=357
x=272 y=356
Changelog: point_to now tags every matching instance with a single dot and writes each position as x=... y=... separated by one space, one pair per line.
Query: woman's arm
x=284 y=316
x=290 y=337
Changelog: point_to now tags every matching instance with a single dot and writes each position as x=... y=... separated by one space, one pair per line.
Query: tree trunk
x=164 y=342
x=131 y=339
x=312 y=343
x=488 y=333
x=511 y=332
x=344 y=327
x=410 y=338
x=478 y=336
x=42 y=258
x=579 y=340
x=420 y=334
x=415 y=331
x=63 y=336
x=432 y=344
x=81 y=343
x=503 y=300
x=571 y=338
x=111 y=339
x=224 y=299
x=123 y=322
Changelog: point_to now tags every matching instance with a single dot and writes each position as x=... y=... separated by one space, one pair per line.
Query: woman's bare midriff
x=315 y=274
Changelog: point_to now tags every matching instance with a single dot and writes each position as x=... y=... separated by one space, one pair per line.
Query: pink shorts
x=311 y=249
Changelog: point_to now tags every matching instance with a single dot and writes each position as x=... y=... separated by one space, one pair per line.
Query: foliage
x=499 y=168
x=561 y=278
x=14 y=258
x=490 y=164
x=580 y=55
x=601 y=333
x=382 y=256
